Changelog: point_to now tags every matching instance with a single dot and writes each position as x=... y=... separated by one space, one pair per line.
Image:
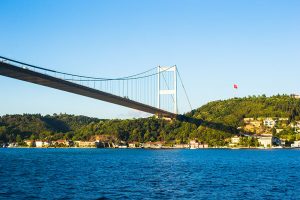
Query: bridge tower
x=170 y=89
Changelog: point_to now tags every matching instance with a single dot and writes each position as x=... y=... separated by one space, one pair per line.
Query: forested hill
x=232 y=112
x=212 y=123
x=37 y=126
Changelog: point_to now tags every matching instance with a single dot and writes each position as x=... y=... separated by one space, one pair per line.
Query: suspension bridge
x=154 y=91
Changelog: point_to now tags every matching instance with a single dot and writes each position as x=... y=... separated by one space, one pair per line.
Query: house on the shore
x=194 y=144
x=181 y=146
x=63 y=143
x=268 y=140
x=153 y=145
x=203 y=146
x=133 y=145
x=39 y=143
x=296 y=144
x=236 y=139
x=121 y=145
x=11 y=145
x=85 y=144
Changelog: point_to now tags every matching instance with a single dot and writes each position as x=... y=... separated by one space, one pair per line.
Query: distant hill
x=212 y=123
x=232 y=112
x=27 y=125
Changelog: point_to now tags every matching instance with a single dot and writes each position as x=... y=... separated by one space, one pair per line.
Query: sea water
x=149 y=174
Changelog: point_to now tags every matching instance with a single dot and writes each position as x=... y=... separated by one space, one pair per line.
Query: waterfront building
x=235 y=140
x=153 y=145
x=296 y=144
x=61 y=143
x=181 y=146
x=122 y=145
x=194 y=144
x=85 y=144
x=39 y=143
x=203 y=146
x=10 y=145
x=133 y=144
x=268 y=140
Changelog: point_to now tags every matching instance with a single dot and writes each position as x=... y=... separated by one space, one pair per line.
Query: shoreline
x=163 y=148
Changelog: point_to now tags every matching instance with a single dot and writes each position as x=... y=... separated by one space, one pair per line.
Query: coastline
x=163 y=148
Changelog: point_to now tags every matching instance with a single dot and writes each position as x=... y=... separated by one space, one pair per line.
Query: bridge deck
x=19 y=73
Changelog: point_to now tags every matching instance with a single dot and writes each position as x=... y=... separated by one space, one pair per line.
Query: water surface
x=149 y=174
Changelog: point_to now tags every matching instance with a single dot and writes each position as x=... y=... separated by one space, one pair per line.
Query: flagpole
x=235 y=87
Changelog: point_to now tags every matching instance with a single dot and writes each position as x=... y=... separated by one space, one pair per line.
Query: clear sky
x=215 y=43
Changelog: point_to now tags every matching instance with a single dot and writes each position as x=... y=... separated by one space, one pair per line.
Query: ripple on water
x=145 y=174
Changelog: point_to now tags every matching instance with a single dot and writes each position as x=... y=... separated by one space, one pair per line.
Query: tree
x=18 y=139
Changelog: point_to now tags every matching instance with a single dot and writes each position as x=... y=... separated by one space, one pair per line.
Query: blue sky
x=215 y=44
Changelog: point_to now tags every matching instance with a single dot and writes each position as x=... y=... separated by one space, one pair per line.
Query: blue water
x=149 y=174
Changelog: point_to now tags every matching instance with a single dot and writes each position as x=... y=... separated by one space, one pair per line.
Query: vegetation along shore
x=249 y=122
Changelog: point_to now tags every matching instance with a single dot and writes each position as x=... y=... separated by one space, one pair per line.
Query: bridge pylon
x=170 y=90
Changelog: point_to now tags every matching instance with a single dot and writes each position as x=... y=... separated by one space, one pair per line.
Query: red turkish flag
x=235 y=86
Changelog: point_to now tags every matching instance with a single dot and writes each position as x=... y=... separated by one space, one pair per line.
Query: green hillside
x=232 y=112
x=212 y=123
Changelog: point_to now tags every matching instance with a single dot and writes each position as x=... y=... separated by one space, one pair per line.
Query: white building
x=194 y=144
x=181 y=146
x=268 y=141
x=39 y=143
x=235 y=140
x=11 y=145
x=296 y=144
x=269 y=122
x=203 y=146
x=85 y=144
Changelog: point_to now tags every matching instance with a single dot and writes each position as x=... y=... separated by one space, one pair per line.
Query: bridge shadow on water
x=209 y=124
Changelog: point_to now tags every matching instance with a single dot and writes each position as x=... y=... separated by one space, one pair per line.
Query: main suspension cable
x=186 y=95
x=75 y=75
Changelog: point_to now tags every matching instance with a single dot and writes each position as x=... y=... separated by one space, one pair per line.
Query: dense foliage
x=232 y=112
x=212 y=123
